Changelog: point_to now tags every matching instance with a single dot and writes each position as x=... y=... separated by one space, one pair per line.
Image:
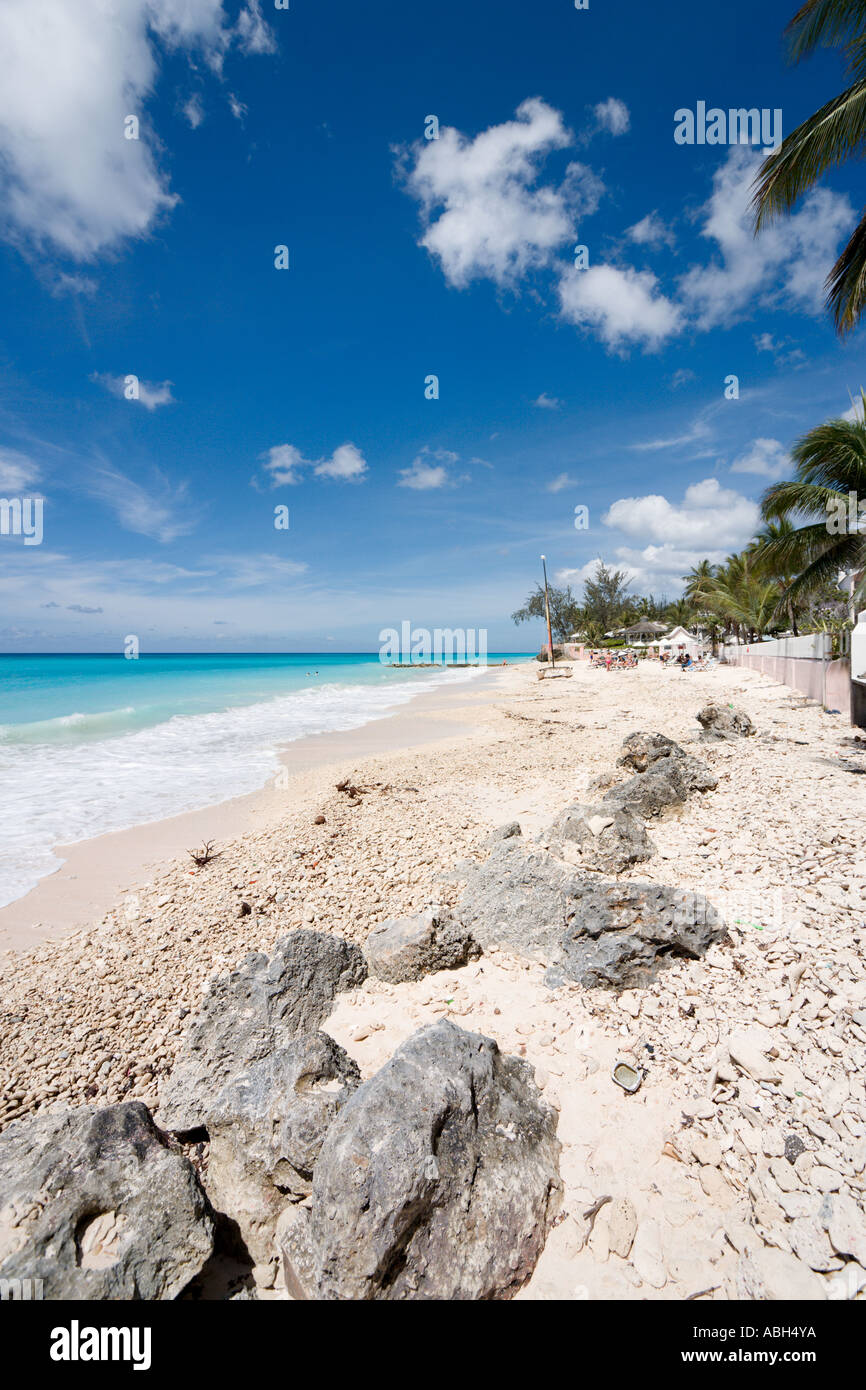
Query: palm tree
x=681 y=612
x=768 y=565
x=742 y=599
x=824 y=140
x=698 y=581
x=830 y=464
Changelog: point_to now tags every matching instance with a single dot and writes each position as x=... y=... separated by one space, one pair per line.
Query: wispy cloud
x=651 y=231
x=561 y=482
x=18 y=472
x=163 y=514
x=150 y=394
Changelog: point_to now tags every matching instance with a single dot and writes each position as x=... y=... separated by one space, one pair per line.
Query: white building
x=678 y=640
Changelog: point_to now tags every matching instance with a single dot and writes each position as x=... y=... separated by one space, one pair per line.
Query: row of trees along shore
x=804 y=571
x=788 y=579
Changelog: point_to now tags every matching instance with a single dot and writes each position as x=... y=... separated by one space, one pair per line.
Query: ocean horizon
x=95 y=742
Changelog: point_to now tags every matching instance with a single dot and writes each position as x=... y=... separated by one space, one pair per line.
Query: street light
x=547 y=612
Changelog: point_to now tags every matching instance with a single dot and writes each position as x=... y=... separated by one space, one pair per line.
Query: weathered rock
x=620 y=934
x=648 y=793
x=810 y=1243
x=611 y=934
x=845 y=1224
x=508 y=831
x=253 y=1010
x=622 y=1225
x=266 y=1128
x=642 y=751
x=767 y=1274
x=608 y=839
x=517 y=897
x=438 y=1179
x=724 y=721
x=96 y=1204
x=646 y=1255
x=406 y=948
x=747 y=1048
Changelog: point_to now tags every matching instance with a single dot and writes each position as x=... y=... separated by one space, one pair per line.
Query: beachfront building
x=678 y=640
x=643 y=633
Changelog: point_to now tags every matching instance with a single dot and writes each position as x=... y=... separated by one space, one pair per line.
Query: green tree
x=771 y=567
x=835 y=133
x=566 y=613
x=830 y=464
x=606 y=595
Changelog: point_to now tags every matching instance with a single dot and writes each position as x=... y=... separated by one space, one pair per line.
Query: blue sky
x=259 y=387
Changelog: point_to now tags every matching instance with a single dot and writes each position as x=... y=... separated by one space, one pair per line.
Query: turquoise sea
x=95 y=743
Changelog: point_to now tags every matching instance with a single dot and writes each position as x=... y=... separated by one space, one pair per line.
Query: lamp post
x=547 y=613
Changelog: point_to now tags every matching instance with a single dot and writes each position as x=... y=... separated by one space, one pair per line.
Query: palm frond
x=846 y=283
x=825 y=24
x=834 y=133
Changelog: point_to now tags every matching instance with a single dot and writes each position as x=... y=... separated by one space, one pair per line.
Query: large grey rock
x=619 y=935
x=608 y=934
x=439 y=1179
x=405 y=948
x=641 y=751
x=648 y=793
x=724 y=721
x=518 y=898
x=253 y=1010
x=266 y=1128
x=96 y=1204
x=607 y=838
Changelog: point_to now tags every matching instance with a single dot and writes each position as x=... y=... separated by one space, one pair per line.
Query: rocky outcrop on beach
x=97 y=1204
x=724 y=721
x=640 y=751
x=609 y=835
x=408 y=947
x=600 y=934
x=253 y=1011
x=607 y=838
x=266 y=1128
x=439 y=1179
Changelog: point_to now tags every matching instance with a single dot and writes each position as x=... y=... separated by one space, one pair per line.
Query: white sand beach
x=695 y=1162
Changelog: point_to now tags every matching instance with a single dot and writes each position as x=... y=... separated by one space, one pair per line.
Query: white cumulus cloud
x=623 y=307
x=70 y=74
x=484 y=211
x=785 y=265
x=346 y=462
x=767 y=457
x=612 y=115
x=710 y=517
x=286 y=465
x=431 y=469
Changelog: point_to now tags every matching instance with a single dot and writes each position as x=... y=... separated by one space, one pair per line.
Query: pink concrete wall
x=804 y=675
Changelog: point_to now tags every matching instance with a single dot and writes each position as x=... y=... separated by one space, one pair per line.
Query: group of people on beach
x=627 y=660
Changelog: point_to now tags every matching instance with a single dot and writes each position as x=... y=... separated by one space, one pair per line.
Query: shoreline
x=94 y=872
